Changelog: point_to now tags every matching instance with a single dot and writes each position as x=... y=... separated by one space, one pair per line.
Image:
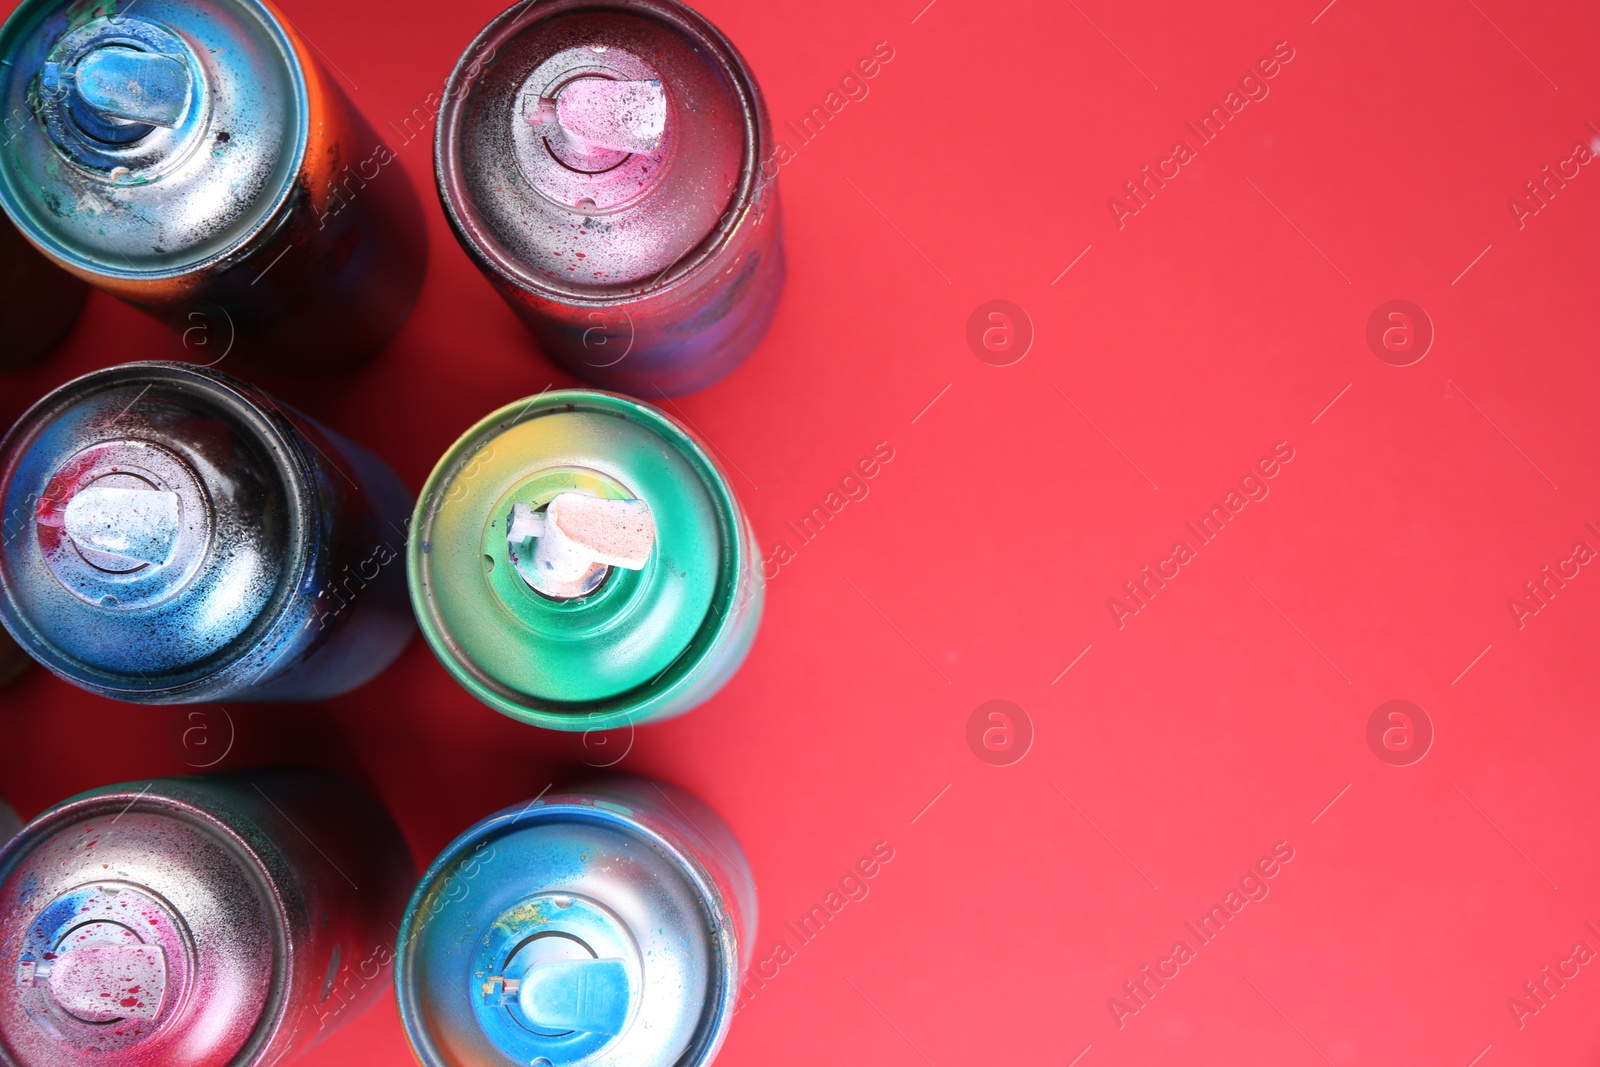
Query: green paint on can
x=645 y=644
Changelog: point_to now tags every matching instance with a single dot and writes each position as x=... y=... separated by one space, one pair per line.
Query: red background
x=1222 y=718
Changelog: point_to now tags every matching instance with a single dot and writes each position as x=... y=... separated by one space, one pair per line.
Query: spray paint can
x=13 y=661
x=38 y=302
x=578 y=561
x=608 y=926
x=196 y=922
x=171 y=535
x=192 y=158
x=9 y=823
x=602 y=163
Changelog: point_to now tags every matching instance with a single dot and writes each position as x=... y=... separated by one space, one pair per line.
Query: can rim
x=236 y=397
x=122 y=799
x=696 y=261
x=268 y=221
x=643 y=702
x=723 y=936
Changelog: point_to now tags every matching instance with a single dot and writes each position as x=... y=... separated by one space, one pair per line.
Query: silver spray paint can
x=224 y=921
x=609 y=166
x=607 y=926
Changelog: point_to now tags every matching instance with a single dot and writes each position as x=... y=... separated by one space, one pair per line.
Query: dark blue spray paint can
x=172 y=535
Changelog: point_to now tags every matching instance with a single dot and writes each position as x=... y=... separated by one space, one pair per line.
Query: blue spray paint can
x=193 y=158
x=171 y=535
x=607 y=926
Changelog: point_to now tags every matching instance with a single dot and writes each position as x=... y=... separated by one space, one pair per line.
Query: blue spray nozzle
x=587 y=995
x=122 y=94
x=129 y=85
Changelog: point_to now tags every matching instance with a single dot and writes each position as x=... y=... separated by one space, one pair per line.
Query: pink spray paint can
x=609 y=165
x=225 y=921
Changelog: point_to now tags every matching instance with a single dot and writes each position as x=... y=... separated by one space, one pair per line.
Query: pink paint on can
x=602 y=163
x=196 y=922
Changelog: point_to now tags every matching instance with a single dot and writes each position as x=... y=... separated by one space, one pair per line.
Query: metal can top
x=135 y=929
x=623 y=643
x=587 y=146
x=155 y=521
x=570 y=930
x=149 y=141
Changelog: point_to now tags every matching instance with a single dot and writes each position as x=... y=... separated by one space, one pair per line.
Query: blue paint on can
x=190 y=157
x=608 y=925
x=172 y=535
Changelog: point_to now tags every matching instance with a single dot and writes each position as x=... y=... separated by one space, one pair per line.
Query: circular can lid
x=569 y=930
x=151 y=142
x=623 y=651
x=134 y=929
x=588 y=146
x=153 y=525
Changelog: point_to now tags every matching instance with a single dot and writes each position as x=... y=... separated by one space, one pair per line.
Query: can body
x=601 y=879
x=653 y=271
x=13 y=661
x=173 y=535
x=209 y=927
x=253 y=207
x=9 y=823
x=38 y=302
x=647 y=644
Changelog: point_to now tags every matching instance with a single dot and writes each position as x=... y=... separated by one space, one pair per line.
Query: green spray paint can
x=579 y=561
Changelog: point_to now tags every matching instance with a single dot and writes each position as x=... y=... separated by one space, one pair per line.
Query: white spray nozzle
x=137 y=526
x=622 y=116
x=103 y=983
x=576 y=539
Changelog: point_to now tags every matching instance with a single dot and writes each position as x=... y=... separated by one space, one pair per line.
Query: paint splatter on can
x=194 y=159
x=196 y=922
x=602 y=163
x=38 y=302
x=607 y=926
x=171 y=535
x=578 y=561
